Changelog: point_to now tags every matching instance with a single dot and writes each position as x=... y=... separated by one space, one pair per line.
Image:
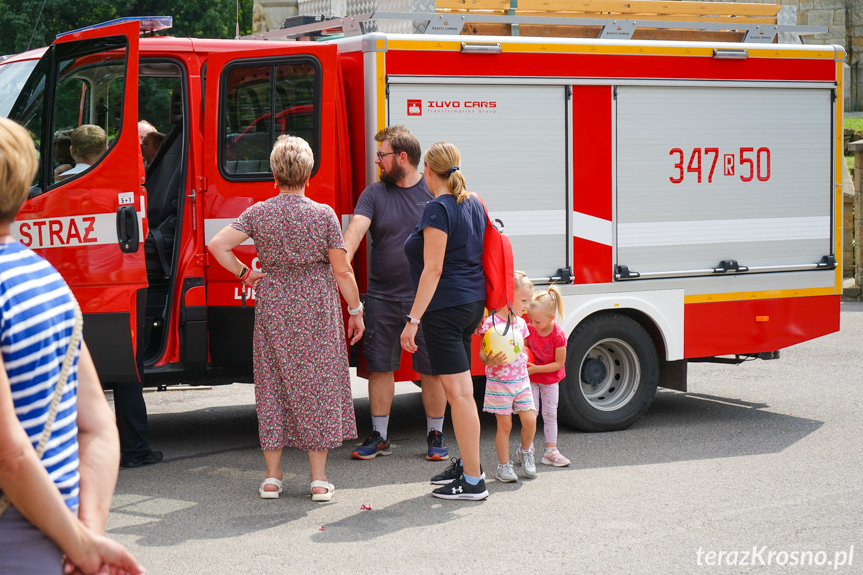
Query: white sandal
x=270 y=494
x=323 y=496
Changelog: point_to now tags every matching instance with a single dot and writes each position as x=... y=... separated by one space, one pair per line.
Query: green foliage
x=192 y=18
x=855 y=124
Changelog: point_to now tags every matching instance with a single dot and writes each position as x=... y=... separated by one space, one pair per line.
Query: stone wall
x=844 y=18
x=270 y=14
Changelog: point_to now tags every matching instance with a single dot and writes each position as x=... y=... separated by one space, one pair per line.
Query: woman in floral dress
x=302 y=385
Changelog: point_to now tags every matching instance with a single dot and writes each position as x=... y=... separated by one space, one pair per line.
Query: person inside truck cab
x=144 y=128
x=150 y=146
x=62 y=157
x=89 y=143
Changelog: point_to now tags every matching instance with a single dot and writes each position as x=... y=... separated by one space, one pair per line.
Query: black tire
x=612 y=369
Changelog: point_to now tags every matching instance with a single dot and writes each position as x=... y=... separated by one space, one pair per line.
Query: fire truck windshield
x=12 y=79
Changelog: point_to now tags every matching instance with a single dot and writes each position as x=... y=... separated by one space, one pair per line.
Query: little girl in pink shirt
x=548 y=344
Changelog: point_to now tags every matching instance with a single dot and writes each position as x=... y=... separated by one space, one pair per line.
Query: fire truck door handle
x=127 y=229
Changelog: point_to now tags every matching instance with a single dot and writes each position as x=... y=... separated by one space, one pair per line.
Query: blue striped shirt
x=35 y=329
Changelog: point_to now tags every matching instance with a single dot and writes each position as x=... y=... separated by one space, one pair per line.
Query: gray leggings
x=24 y=550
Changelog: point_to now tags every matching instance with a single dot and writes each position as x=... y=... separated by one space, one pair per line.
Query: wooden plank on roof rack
x=652 y=17
x=482 y=29
x=649 y=6
x=495 y=5
x=644 y=12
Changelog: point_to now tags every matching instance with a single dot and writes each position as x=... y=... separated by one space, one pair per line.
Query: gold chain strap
x=58 y=391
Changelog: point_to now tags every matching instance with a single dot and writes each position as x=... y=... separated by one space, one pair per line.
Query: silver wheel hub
x=609 y=374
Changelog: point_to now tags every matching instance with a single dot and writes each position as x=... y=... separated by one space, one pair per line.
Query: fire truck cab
x=685 y=195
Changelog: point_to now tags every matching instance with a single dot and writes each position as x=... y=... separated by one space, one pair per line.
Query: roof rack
x=593 y=26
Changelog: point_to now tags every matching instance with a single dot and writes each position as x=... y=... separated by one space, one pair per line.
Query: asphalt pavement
x=757 y=469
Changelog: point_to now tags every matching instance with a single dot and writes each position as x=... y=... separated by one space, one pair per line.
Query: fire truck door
x=253 y=96
x=86 y=212
x=512 y=140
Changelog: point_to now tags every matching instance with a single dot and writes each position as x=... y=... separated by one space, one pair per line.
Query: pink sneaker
x=554 y=457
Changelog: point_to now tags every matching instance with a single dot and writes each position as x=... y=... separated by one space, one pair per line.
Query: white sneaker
x=505 y=472
x=528 y=462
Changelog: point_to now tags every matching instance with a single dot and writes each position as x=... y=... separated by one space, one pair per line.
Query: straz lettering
x=61 y=232
x=749 y=163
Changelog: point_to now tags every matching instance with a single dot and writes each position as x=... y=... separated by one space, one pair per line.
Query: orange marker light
x=762 y=318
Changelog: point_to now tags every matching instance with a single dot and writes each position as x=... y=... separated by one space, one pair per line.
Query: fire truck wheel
x=612 y=369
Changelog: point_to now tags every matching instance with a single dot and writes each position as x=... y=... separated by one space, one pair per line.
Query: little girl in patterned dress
x=548 y=344
x=507 y=388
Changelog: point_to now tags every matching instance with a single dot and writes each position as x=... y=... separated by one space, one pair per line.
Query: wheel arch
x=660 y=313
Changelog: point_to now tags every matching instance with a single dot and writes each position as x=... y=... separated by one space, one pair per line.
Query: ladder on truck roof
x=603 y=19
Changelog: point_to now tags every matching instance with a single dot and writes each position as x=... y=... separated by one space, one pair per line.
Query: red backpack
x=497 y=265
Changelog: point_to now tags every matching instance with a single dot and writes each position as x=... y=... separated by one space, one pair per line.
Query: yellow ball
x=495 y=341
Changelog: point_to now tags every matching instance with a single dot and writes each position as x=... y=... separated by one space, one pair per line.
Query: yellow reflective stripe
x=753 y=295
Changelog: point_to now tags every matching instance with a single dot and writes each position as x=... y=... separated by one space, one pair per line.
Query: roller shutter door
x=513 y=145
x=711 y=174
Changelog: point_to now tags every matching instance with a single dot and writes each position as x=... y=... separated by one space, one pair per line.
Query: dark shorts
x=385 y=320
x=24 y=549
x=449 y=332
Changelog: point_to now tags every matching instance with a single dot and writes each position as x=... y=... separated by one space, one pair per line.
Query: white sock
x=435 y=423
x=380 y=424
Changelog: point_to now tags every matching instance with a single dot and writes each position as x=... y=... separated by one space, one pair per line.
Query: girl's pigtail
x=557 y=300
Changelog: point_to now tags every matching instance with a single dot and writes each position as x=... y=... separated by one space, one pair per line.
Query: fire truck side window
x=263 y=102
x=90 y=91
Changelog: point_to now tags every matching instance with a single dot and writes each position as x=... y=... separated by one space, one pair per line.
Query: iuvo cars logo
x=416 y=107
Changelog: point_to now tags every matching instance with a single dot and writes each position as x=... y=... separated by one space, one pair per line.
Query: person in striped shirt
x=59 y=504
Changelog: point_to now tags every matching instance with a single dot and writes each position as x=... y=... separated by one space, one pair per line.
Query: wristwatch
x=412 y=320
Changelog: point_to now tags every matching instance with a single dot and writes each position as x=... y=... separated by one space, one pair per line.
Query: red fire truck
x=685 y=195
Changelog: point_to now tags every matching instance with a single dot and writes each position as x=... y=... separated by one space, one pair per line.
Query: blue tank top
x=35 y=329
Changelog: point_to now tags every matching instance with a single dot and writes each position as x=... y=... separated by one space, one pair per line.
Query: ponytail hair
x=549 y=300
x=444 y=160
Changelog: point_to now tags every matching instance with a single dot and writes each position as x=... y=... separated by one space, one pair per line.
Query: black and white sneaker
x=462 y=490
x=451 y=473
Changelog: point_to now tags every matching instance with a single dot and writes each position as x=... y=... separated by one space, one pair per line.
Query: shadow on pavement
x=206 y=488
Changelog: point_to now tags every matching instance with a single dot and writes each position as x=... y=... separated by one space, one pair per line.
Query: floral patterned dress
x=302 y=384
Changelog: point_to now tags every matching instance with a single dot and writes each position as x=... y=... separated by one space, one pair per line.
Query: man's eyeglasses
x=382 y=155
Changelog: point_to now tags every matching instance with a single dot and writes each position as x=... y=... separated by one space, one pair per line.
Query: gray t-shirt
x=394 y=212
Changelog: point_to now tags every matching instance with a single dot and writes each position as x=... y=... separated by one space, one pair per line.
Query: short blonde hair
x=291 y=160
x=89 y=142
x=444 y=159
x=18 y=165
x=522 y=282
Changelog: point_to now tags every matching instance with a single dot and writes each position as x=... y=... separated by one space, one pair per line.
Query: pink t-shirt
x=509 y=372
x=543 y=349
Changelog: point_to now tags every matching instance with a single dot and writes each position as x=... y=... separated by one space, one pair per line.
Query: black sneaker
x=461 y=489
x=451 y=473
x=148 y=458
x=373 y=446
x=437 y=448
